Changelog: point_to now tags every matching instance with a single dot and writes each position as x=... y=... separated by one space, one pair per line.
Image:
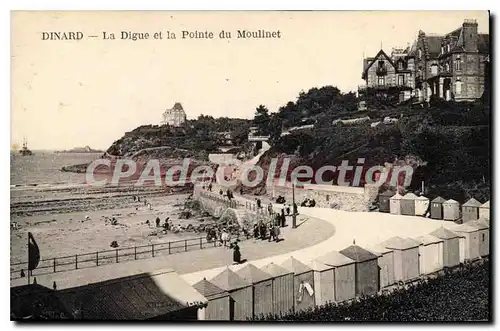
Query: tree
x=262 y=119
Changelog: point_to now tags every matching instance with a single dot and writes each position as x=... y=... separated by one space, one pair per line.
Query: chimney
x=469 y=34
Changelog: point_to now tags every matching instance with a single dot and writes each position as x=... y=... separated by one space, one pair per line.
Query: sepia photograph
x=244 y=166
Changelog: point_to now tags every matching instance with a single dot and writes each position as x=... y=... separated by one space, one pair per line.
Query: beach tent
x=395 y=204
x=344 y=274
x=451 y=210
x=262 y=289
x=471 y=235
x=437 y=208
x=303 y=283
x=431 y=253
x=218 y=300
x=408 y=204
x=367 y=273
x=240 y=291
x=451 y=246
x=385 y=264
x=484 y=211
x=406 y=260
x=421 y=205
x=470 y=210
x=324 y=285
x=282 y=288
x=384 y=202
x=483 y=229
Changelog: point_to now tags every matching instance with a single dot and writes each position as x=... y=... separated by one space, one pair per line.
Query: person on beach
x=210 y=187
x=256 y=231
x=287 y=210
x=295 y=209
x=236 y=253
x=224 y=237
x=272 y=235
x=220 y=192
x=241 y=190
x=157 y=222
x=259 y=203
x=263 y=230
x=283 y=219
x=270 y=208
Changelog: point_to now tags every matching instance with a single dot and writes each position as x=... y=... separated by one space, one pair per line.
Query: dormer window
x=400 y=65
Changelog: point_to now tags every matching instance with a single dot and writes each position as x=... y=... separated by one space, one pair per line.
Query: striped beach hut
x=395 y=204
x=451 y=246
x=406 y=259
x=218 y=300
x=437 y=208
x=344 y=274
x=384 y=202
x=470 y=210
x=303 y=283
x=262 y=289
x=324 y=285
x=431 y=253
x=385 y=264
x=483 y=229
x=451 y=210
x=367 y=273
x=240 y=291
x=471 y=235
x=421 y=205
x=408 y=204
x=484 y=210
x=282 y=288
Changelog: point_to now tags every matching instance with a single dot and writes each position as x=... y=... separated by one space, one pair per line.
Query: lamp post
x=294 y=214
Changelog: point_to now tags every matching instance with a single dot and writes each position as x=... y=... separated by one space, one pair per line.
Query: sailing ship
x=25 y=151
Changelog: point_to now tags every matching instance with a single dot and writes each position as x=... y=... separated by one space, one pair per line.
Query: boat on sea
x=25 y=151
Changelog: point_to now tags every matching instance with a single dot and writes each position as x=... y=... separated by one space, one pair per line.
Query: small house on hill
x=451 y=210
x=240 y=291
x=451 y=246
x=395 y=204
x=421 y=205
x=303 y=284
x=344 y=274
x=218 y=300
x=282 y=288
x=437 y=208
x=367 y=273
x=384 y=202
x=408 y=204
x=262 y=289
x=406 y=260
x=470 y=210
x=484 y=210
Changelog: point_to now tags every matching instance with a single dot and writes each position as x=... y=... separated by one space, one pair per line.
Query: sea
x=43 y=168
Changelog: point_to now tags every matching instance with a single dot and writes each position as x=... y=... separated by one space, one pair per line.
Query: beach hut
x=484 y=211
x=408 y=204
x=470 y=210
x=240 y=292
x=324 y=285
x=367 y=273
x=384 y=202
x=395 y=204
x=451 y=210
x=437 y=208
x=282 y=288
x=471 y=235
x=344 y=275
x=218 y=300
x=421 y=205
x=303 y=283
x=262 y=289
x=385 y=264
x=483 y=229
x=451 y=246
x=406 y=260
x=431 y=253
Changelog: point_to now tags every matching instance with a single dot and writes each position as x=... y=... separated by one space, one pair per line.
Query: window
x=381 y=80
x=419 y=54
x=458 y=64
x=400 y=65
x=381 y=64
x=401 y=80
x=458 y=86
x=446 y=67
x=434 y=69
x=483 y=236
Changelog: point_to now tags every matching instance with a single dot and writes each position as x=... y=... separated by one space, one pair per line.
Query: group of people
x=308 y=203
x=270 y=231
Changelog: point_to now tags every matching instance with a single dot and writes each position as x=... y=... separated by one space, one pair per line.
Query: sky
x=68 y=93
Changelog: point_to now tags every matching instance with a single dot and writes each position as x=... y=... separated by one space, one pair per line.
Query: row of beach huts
x=247 y=292
x=439 y=208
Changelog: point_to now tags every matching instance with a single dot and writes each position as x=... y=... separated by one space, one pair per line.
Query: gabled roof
x=381 y=52
x=379 y=249
x=428 y=239
x=438 y=200
x=358 y=254
x=400 y=243
x=177 y=106
x=396 y=196
x=409 y=196
x=295 y=266
x=229 y=281
x=472 y=203
x=275 y=270
x=318 y=266
x=335 y=259
x=444 y=233
x=253 y=274
x=208 y=289
x=486 y=204
x=451 y=202
x=387 y=193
